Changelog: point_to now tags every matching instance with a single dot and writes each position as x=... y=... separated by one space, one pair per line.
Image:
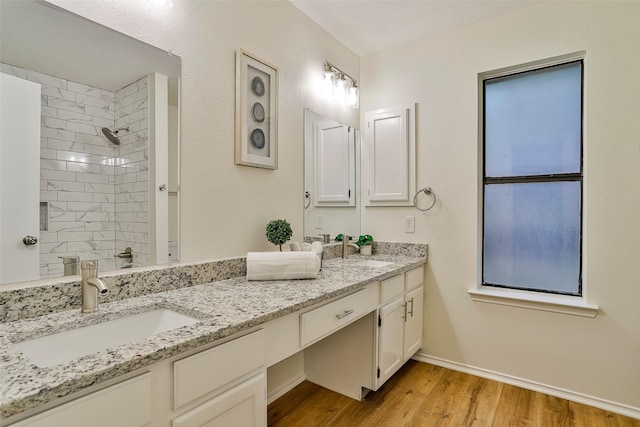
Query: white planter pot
x=365 y=250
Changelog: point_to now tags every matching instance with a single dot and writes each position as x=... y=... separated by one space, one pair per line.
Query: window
x=532 y=180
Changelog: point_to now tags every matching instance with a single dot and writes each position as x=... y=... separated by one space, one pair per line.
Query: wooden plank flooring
x=426 y=395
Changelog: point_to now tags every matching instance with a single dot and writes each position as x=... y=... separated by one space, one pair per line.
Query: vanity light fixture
x=339 y=86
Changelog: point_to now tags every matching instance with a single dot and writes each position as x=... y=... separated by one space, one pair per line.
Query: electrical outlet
x=409 y=224
x=319 y=222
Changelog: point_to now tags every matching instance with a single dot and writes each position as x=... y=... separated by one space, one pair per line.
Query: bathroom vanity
x=355 y=314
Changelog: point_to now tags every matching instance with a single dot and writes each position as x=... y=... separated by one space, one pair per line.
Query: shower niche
x=108 y=142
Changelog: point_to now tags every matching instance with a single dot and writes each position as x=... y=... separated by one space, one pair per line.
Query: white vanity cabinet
x=399 y=322
x=242 y=405
x=351 y=344
x=224 y=385
x=232 y=377
x=363 y=355
x=132 y=398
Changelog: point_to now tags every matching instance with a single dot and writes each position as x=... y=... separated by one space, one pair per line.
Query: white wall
x=598 y=357
x=225 y=207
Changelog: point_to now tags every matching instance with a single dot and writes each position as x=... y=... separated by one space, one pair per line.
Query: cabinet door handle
x=404 y=307
x=344 y=314
x=411 y=312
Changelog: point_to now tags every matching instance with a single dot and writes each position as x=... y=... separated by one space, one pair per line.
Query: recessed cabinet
x=389 y=161
x=334 y=168
x=399 y=322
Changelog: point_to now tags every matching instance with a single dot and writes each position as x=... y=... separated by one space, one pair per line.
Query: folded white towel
x=282 y=265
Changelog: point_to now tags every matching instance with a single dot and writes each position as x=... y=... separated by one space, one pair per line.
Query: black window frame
x=575 y=177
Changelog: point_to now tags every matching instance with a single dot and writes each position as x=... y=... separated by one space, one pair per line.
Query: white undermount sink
x=372 y=263
x=66 y=346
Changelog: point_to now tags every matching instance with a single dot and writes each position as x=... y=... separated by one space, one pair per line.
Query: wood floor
x=425 y=395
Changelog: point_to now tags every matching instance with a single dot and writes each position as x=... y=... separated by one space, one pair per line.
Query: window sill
x=575 y=306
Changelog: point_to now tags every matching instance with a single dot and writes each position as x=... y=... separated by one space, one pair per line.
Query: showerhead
x=112 y=135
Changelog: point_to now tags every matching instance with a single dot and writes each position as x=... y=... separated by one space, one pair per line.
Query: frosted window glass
x=532 y=236
x=533 y=122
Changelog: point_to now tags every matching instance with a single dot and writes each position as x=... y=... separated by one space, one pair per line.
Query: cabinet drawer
x=415 y=278
x=211 y=369
x=322 y=321
x=243 y=405
x=127 y=404
x=391 y=288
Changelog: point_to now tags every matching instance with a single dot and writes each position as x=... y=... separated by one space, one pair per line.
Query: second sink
x=65 y=346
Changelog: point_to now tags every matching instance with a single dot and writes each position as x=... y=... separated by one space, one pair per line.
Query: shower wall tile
x=13 y=71
x=64 y=186
x=58 y=93
x=53 y=164
x=46 y=80
x=75 y=196
x=131 y=174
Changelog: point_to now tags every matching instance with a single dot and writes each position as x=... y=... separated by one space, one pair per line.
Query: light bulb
x=352 y=100
x=340 y=93
x=327 y=84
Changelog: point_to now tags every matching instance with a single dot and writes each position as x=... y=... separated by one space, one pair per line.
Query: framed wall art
x=256 y=112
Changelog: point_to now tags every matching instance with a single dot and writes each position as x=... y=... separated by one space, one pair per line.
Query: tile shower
x=93 y=194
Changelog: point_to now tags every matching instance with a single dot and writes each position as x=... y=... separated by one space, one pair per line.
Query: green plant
x=364 y=240
x=278 y=232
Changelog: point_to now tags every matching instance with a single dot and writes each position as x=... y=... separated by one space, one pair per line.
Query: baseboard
x=607 y=405
x=280 y=391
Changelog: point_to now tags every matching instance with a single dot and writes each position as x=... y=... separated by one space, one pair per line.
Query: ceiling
x=370 y=26
x=42 y=37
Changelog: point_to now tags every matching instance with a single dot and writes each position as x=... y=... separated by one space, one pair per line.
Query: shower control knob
x=30 y=240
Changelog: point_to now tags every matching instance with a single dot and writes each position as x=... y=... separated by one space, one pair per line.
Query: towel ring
x=307 y=196
x=429 y=192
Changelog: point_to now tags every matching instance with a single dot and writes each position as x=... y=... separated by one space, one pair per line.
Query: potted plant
x=278 y=232
x=364 y=243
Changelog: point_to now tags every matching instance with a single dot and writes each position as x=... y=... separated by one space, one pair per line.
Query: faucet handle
x=89 y=265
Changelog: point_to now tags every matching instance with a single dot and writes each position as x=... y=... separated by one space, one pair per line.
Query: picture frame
x=256 y=142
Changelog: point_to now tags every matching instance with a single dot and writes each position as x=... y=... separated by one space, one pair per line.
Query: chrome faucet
x=91 y=285
x=346 y=244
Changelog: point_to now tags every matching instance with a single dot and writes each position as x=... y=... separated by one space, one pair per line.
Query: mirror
x=331 y=177
x=106 y=170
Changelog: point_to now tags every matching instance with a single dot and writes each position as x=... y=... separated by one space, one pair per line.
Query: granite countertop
x=224 y=307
